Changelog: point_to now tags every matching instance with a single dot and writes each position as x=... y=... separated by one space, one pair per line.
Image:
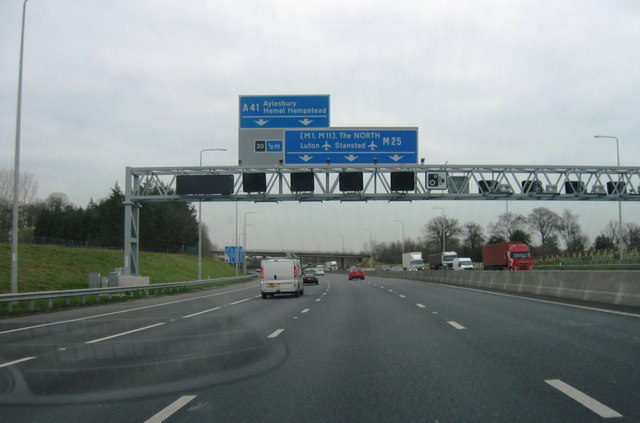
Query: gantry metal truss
x=430 y=182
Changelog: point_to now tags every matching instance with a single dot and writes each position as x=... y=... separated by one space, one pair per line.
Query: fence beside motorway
x=621 y=287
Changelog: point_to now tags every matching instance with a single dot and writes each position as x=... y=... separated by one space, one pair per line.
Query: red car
x=356 y=273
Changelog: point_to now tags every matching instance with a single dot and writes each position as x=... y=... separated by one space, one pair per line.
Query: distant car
x=309 y=276
x=320 y=271
x=385 y=268
x=397 y=269
x=356 y=273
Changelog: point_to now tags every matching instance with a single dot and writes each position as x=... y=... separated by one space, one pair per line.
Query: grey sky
x=110 y=84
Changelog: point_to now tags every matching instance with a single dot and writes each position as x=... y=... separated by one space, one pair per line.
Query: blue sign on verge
x=233 y=254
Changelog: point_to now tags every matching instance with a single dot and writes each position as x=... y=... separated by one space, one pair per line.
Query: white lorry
x=462 y=263
x=412 y=261
x=331 y=266
x=281 y=276
x=442 y=260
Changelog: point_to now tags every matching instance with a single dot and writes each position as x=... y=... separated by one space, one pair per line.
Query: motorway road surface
x=378 y=350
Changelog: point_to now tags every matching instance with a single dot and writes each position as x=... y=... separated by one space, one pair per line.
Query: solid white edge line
x=171 y=409
x=11 y=363
x=455 y=324
x=124 y=333
x=584 y=399
x=275 y=333
x=201 y=312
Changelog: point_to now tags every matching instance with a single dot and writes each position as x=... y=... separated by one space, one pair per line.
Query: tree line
x=168 y=226
x=544 y=230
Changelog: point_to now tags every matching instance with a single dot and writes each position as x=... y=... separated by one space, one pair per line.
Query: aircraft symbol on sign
x=373 y=146
x=326 y=146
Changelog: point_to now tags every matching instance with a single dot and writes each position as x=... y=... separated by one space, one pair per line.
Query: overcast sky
x=110 y=84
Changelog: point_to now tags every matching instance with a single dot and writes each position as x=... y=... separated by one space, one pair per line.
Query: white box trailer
x=281 y=276
x=412 y=261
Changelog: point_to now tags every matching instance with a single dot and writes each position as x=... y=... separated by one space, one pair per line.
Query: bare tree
x=441 y=231
x=571 y=232
x=26 y=194
x=27 y=190
x=631 y=235
x=545 y=222
x=207 y=246
x=56 y=201
x=508 y=225
x=473 y=240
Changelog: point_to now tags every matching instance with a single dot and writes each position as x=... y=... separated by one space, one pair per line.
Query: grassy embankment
x=52 y=268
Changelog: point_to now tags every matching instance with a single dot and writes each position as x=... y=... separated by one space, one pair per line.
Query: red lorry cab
x=507 y=255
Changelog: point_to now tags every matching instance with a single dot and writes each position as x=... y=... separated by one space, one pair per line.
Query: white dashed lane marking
x=171 y=409
x=584 y=399
x=455 y=324
x=275 y=333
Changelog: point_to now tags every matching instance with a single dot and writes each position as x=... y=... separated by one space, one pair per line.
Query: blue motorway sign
x=233 y=254
x=284 y=111
x=351 y=146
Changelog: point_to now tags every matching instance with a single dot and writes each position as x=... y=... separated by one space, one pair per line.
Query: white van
x=281 y=276
x=462 y=263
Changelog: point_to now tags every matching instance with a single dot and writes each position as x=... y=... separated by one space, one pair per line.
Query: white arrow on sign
x=261 y=122
x=305 y=121
x=395 y=157
x=351 y=157
x=373 y=146
x=306 y=157
x=326 y=146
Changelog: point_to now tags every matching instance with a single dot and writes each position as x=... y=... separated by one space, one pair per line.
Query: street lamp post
x=620 y=246
x=244 y=242
x=16 y=166
x=402 y=221
x=235 y=244
x=200 y=217
x=444 y=224
x=370 y=248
